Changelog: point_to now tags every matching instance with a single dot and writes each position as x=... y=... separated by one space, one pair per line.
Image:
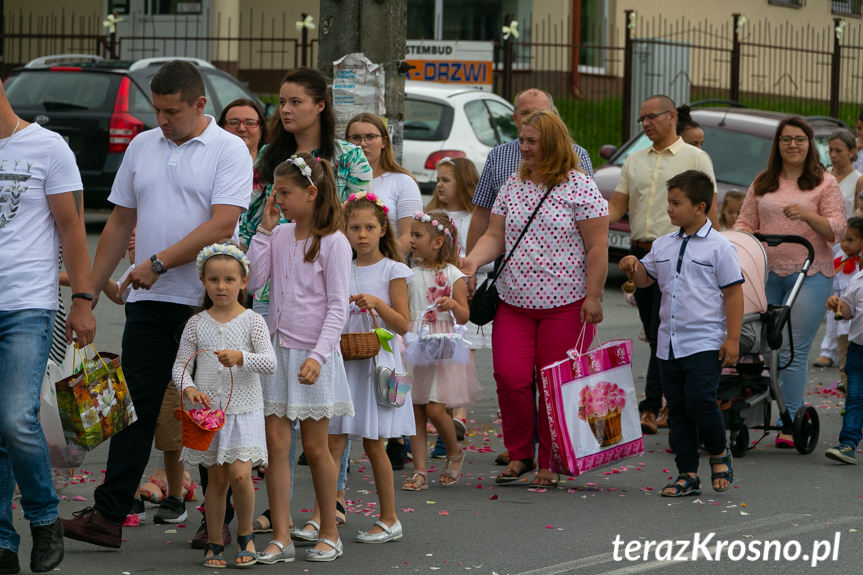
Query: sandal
x=416 y=482
x=155 y=494
x=727 y=475
x=243 y=546
x=341 y=514
x=216 y=556
x=452 y=474
x=690 y=486
x=544 y=481
x=191 y=490
x=511 y=474
x=258 y=525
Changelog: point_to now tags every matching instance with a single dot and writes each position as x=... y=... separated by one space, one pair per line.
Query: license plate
x=618 y=240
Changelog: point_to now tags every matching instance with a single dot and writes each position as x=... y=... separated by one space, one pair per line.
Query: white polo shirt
x=691 y=272
x=173 y=189
x=854 y=298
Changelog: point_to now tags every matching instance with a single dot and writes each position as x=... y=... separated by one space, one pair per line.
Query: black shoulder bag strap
x=499 y=269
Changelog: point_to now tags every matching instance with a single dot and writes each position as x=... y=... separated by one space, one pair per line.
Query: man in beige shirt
x=642 y=191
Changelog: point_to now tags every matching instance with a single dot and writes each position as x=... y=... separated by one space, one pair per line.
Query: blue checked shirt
x=502 y=162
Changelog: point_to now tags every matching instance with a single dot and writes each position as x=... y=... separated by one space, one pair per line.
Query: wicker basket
x=195 y=436
x=364 y=345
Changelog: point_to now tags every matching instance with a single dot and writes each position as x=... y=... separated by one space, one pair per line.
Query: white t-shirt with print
x=174 y=189
x=34 y=164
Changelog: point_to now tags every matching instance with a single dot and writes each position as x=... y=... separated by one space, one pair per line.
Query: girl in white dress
x=379 y=285
x=445 y=384
x=235 y=344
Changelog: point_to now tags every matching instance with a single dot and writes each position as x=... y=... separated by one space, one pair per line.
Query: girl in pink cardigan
x=308 y=264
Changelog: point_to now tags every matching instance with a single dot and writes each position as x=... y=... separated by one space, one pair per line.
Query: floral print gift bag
x=592 y=408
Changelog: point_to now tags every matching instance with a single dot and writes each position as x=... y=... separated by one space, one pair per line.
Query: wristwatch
x=157 y=265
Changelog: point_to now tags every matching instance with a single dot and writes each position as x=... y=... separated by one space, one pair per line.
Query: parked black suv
x=98 y=106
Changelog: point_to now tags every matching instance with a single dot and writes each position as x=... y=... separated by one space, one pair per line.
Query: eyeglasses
x=799 y=140
x=651 y=117
x=235 y=123
x=358 y=138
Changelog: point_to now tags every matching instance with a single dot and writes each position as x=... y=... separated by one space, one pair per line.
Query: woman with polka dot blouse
x=551 y=288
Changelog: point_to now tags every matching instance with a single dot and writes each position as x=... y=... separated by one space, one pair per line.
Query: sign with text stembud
x=468 y=64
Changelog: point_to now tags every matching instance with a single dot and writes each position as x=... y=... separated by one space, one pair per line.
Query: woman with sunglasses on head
x=796 y=195
x=393 y=184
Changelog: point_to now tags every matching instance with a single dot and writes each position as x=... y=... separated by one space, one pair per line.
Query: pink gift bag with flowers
x=592 y=408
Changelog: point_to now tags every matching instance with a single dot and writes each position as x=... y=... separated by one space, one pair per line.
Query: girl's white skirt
x=285 y=396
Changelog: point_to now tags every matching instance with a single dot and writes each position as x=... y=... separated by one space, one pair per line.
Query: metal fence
x=255 y=46
x=803 y=70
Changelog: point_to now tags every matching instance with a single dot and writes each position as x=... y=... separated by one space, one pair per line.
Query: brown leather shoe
x=648 y=422
x=90 y=526
x=199 y=541
x=662 y=418
x=502 y=458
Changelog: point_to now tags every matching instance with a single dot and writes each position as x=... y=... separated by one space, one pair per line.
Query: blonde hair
x=327 y=211
x=466 y=179
x=557 y=158
x=730 y=196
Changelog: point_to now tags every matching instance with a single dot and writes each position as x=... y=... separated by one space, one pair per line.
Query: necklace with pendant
x=17 y=124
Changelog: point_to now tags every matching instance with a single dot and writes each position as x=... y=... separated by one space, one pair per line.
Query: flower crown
x=302 y=166
x=427 y=219
x=370 y=197
x=221 y=250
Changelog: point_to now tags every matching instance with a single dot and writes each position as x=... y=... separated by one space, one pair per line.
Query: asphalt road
x=607 y=521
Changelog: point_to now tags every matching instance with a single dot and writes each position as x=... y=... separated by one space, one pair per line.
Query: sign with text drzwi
x=467 y=64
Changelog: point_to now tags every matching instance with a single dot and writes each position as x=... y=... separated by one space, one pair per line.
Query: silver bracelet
x=261 y=230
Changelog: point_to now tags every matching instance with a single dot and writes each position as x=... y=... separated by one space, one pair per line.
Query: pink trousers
x=523 y=342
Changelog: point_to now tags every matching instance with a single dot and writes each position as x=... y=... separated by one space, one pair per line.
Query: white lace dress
x=372 y=420
x=242 y=438
x=478 y=336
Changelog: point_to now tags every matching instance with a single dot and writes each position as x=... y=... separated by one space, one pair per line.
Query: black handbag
x=483 y=306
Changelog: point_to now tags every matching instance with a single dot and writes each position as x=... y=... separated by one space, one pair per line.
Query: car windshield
x=66 y=91
x=737 y=157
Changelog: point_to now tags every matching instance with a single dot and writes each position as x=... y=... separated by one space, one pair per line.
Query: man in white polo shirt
x=185 y=185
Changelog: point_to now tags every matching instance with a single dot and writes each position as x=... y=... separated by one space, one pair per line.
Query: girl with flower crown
x=308 y=265
x=438 y=282
x=232 y=345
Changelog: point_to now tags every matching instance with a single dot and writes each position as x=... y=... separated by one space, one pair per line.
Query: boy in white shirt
x=850 y=305
x=700 y=316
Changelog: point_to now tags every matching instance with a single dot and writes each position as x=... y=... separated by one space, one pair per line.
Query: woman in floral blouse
x=551 y=288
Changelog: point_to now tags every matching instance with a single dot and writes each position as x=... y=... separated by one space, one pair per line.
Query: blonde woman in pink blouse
x=551 y=288
x=795 y=195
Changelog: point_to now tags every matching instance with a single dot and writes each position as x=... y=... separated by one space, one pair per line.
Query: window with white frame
x=847 y=7
x=788 y=3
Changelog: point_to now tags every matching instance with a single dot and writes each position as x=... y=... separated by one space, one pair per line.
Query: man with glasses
x=642 y=191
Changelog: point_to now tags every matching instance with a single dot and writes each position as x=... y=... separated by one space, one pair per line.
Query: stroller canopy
x=753 y=264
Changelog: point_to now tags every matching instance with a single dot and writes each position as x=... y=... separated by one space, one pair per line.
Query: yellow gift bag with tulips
x=94 y=402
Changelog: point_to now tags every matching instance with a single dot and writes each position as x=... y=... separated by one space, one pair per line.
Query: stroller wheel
x=739 y=439
x=806 y=429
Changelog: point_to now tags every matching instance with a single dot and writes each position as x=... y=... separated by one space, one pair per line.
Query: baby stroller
x=745 y=396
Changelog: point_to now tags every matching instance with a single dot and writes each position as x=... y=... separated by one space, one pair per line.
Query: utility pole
x=377 y=28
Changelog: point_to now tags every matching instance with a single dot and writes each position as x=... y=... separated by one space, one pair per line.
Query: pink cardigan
x=764 y=214
x=308 y=300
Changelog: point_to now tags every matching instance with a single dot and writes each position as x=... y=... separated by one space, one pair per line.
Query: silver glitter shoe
x=393 y=533
x=285 y=554
x=299 y=534
x=334 y=553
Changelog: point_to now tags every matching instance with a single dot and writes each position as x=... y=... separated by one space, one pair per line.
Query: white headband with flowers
x=427 y=219
x=302 y=166
x=445 y=160
x=221 y=250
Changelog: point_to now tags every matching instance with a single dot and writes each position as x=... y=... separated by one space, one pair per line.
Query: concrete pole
x=376 y=28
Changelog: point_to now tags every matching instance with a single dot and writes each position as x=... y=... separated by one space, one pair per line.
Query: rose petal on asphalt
x=79 y=498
